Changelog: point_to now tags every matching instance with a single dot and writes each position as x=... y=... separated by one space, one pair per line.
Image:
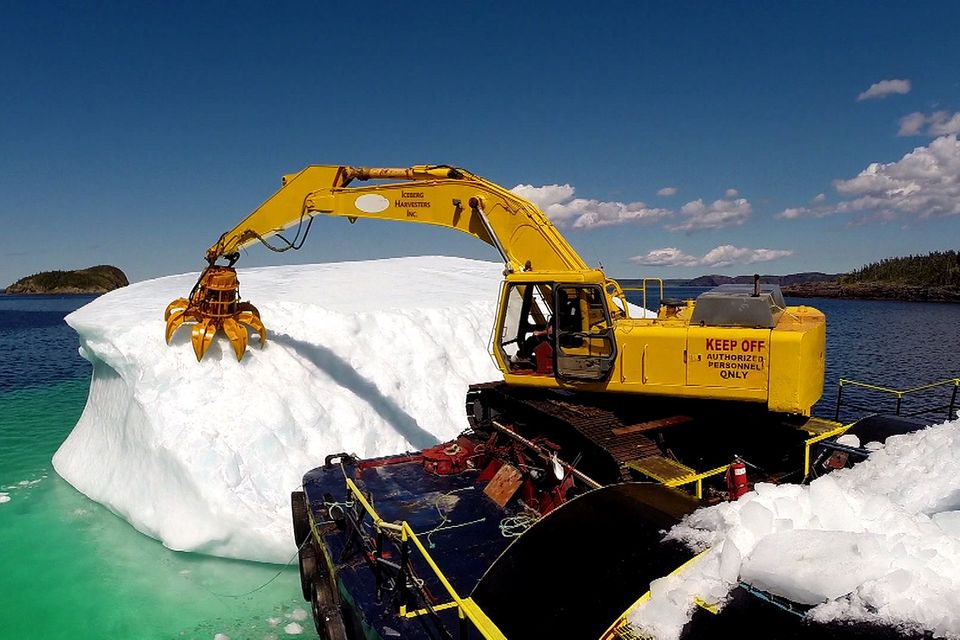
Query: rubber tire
x=301 y=520
x=327 y=615
x=308 y=569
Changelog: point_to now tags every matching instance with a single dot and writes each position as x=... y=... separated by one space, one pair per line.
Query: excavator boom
x=438 y=195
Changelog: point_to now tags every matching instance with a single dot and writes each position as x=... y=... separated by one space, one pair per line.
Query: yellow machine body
x=773 y=357
x=781 y=366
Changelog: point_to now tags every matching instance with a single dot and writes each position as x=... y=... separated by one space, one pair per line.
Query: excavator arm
x=431 y=194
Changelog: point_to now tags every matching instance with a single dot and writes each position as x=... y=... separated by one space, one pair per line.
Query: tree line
x=936 y=269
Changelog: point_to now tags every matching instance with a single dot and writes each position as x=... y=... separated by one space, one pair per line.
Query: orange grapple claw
x=214 y=305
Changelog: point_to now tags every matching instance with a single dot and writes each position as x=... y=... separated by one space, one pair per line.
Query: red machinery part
x=450 y=457
x=737 y=483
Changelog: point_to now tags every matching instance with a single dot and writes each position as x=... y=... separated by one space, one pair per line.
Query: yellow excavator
x=592 y=400
x=560 y=324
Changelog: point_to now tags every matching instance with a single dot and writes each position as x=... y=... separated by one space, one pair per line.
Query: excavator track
x=576 y=422
x=612 y=432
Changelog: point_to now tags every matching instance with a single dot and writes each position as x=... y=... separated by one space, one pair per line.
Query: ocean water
x=71 y=569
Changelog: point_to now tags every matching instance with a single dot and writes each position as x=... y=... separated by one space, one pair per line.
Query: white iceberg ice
x=371 y=358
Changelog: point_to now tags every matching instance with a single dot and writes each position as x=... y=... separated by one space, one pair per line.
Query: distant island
x=934 y=277
x=784 y=281
x=93 y=280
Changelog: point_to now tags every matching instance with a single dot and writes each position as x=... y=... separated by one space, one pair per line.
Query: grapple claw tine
x=173 y=323
x=255 y=323
x=237 y=334
x=179 y=304
x=247 y=306
x=203 y=334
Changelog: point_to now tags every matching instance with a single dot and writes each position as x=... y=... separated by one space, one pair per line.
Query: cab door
x=584 y=344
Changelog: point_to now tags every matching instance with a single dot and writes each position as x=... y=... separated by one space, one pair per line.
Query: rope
x=444 y=517
x=265 y=584
x=448 y=527
x=514 y=526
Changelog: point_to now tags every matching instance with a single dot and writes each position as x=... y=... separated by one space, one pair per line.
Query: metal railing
x=900 y=394
x=467 y=609
x=643 y=289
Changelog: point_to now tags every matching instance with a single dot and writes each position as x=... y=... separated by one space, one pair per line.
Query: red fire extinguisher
x=737 y=484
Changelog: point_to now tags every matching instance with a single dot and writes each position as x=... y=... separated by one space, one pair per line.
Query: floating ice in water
x=299 y=614
x=4 y=497
x=293 y=629
x=371 y=358
x=878 y=542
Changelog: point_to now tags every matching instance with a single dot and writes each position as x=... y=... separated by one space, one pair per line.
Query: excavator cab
x=584 y=343
x=526 y=325
x=557 y=330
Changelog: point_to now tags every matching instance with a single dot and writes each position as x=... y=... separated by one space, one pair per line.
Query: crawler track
x=608 y=430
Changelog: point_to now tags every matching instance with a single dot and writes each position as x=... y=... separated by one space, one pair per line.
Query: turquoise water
x=70 y=568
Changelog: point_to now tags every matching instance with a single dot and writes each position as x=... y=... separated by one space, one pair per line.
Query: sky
x=664 y=139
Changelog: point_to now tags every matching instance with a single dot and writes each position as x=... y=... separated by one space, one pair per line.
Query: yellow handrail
x=644 y=289
x=466 y=607
x=900 y=392
x=809 y=442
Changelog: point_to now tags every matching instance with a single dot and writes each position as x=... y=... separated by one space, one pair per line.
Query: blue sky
x=135 y=134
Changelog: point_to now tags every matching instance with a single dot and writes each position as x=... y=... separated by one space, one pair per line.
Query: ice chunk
x=293 y=629
x=757 y=519
x=730 y=560
x=811 y=567
x=369 y=357
x=948 y=521
x=849 y=440
x=832 y=505
x=859 y=541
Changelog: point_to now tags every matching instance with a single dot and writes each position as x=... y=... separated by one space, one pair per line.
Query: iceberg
x=370 y=358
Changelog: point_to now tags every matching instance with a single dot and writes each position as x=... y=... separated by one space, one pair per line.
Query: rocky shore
x=872 y=291
x=93 y=280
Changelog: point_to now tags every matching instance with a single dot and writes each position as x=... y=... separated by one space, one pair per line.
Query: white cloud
x=924 y=183
x=819 y=198
x=717 y=215
x=911 y=124
x=941 y=123
x=563 y=209
x=731 y=193
x=721 y=256
x=666 y=192
x=885 y=88
x=559 y=203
